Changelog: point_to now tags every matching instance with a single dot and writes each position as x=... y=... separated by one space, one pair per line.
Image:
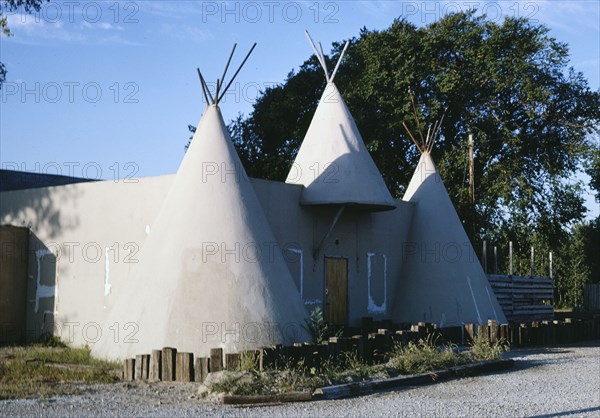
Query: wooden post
x=510 y=258
x=484 y=256
x=141 y=366
x=532 y=262
x=495 y=260
x=168 y=364
x=155 y=366
x=216 y=359
x=129 y=369
x=184 y=367
x=472 y=185
x=470 y=331
x=504 y=331
x=482 y=331
x=232 y=361
x=138 y=367
x=202 y=368
x=493 y=330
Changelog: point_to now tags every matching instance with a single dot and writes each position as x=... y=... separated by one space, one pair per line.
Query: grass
x=416 y=357
x=483 y=349
x=425 y=356
x=50 y=369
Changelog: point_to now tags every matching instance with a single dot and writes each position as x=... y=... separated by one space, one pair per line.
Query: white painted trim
x=107 y=285
x=372 y=307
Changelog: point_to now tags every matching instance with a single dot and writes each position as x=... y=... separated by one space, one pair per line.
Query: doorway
x=336 y=290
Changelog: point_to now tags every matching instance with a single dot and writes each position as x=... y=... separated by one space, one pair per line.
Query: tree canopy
x=507 y=83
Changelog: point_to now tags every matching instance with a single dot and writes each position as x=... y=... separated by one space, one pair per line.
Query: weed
x=424 y=356
x=319 y=329
x=483 y=349
x=248 y=361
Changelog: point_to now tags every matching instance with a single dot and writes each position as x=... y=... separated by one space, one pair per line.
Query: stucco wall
x=85 y=238
x=94 y=231
x=364 y=239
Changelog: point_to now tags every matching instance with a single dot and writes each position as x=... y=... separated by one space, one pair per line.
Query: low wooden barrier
x=524 y=299
x=370 y=347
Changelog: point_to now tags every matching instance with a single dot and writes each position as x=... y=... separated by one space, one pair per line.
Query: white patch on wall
x=147 y=229
x=310 y=302
x=43 y=291
x=295 y=262
x=107 y=284
x=377 y=283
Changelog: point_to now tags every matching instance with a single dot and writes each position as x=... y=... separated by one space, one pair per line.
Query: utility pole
x=472 y=185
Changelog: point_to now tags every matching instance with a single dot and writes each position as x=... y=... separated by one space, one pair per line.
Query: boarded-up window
x=377 y=283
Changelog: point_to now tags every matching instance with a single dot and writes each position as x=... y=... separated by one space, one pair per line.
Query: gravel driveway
x=551 y=382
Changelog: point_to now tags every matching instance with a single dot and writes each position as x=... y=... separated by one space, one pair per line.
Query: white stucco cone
x=442 y=280
x=333 y=163
x=210 y=273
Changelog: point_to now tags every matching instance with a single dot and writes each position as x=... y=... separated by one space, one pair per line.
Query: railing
x=524 y=299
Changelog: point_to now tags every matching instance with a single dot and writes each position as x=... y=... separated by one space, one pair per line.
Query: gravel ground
x=550 y=382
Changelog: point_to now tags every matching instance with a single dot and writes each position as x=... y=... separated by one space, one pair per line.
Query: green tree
x=507 y=83
x=9 y=6
x=593 y=170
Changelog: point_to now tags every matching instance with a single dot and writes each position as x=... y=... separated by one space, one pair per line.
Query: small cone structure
x=209 y=274
x=333 y=163
x=442 y=281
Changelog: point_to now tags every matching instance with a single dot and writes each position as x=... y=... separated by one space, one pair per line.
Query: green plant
x=248 y=384
x=50 y=340
x=424 y=356
x=319 y=329
x=248 y=361
x=483 y=349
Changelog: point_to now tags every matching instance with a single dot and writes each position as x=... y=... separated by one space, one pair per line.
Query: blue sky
x=106 y=89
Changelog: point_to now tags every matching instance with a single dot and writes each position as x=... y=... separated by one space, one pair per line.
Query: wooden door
x=336 y=290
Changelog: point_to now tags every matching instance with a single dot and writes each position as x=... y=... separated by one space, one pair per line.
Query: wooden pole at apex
x=472 y=184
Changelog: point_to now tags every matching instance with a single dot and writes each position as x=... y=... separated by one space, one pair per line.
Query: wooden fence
x=524 y=299
x=373 y=347
x=591 y=297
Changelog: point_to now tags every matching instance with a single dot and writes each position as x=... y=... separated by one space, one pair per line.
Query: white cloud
x=171 y=9
x=187 y=32
x=100 y=25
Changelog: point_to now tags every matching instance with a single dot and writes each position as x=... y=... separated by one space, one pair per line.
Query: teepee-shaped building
x=442 y=280
x=333 y=163
x=209 y=275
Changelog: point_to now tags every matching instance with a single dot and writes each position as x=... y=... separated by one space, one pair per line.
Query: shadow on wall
x=42 y=290
x=40 y=210
x=27 y=287
x=14 y=246
x=33 y=278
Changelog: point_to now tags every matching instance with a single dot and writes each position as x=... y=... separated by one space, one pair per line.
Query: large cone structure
x=210 y=273
x=442 y=281
x=333 y=163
